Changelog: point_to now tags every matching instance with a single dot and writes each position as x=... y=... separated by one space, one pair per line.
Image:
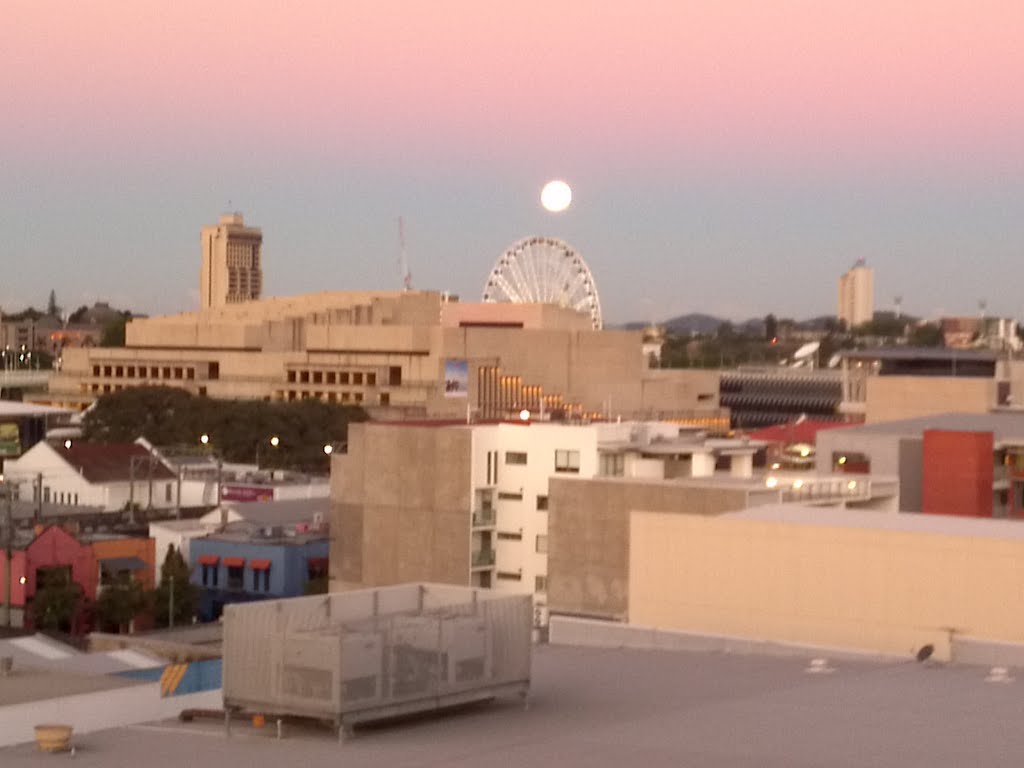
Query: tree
x=771 y=327
x=927 y=335
x=78 y=314
x=175 y=586
x=237 y=428
x=52 y=309
x=113 y=332
x=56 y=601
x=120 y=602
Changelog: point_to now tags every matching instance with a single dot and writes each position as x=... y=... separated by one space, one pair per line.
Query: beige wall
x=588 y=536
x=868 y=589
x=399 y=514
x=890 y=398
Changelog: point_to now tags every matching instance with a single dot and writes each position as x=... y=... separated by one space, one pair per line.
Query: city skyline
x=726 y=159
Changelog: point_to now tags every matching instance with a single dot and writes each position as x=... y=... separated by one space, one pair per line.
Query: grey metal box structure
x=349 y=657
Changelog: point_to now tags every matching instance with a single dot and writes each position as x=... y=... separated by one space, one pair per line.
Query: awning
x=209 y=559
x=117 y=564
x=259 y=565
x=234 y=562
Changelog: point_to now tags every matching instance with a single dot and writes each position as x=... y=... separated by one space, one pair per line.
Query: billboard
x=10 y=440
x=456 y=378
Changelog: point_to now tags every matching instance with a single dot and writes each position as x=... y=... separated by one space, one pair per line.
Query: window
x=395 y=376
x=318 y=377
x=214 y=371
x=168 y=489
x=510 y=575
x=291 y=377
x=567 y=461
x=612 y=465
x=542 y=543
x=304 y=377
x=210 y=575
x=514 y=457
x=357 y=378
x=236 y=577
x=371 y=379
x=540 y=583
x=506 y=536
x=508 y=496
x=542 y=503
x=261 y=581
x=385 y=398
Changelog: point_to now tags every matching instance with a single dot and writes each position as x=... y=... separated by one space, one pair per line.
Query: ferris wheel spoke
x=544 y=270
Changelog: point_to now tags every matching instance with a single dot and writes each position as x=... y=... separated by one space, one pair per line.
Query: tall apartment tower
x=232 y=263
x=857 y=295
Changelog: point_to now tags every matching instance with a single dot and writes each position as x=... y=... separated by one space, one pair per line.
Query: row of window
x=344 y=378
x=166 y=372
x=565 y=461
x=540 y=582
x=383 y=398
x=236 y=577
x=540 y=545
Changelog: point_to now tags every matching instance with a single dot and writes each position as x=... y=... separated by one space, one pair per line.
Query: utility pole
x=8 y=546
x=39 y=497
x=170 y=603
x=149 y=506
x=131 y=487
x=177 y=502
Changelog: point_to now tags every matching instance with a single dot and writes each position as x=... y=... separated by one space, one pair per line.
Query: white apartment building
x=469 y=503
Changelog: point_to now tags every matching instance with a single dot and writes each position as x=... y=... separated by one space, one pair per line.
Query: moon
x=556 y=196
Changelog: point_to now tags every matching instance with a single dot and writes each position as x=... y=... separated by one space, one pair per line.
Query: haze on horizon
x=725 y=157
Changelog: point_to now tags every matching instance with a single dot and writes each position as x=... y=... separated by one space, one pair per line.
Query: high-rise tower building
x=857 y=295
x=232 y=263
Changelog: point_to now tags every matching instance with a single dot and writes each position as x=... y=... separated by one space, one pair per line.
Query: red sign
x=247 y=493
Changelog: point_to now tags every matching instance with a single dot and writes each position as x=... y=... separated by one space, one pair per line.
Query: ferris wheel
x=544 y=270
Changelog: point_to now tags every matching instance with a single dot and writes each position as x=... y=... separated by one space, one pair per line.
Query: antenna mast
x=403 y=262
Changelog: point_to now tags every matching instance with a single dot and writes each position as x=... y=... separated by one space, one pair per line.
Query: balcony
x=483 y=558
x=485 y=518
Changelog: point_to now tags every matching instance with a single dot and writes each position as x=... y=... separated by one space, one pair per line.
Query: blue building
x=245 y=562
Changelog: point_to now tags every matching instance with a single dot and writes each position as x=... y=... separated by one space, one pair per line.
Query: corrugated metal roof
x=112 y=462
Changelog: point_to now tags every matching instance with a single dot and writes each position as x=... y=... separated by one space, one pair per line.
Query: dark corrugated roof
x=111 y=462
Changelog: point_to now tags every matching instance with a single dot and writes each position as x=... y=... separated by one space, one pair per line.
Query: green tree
x=113 y=332
x=52 y=308
x=926 y=335
x=771 y=327
x=174 y=587
x=237 y=428
x=120 y=602
x=55 y=602
x=78 y=314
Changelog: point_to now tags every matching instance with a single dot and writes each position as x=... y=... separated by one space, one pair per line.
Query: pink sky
x=743 y=82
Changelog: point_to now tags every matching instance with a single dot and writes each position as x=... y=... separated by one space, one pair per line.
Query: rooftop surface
x=920 y=353
x=1004 y=425
x=595 y=708
x=913 y=522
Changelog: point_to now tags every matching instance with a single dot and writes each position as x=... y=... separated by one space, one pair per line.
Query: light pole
x=274 y=442
x=205 y=440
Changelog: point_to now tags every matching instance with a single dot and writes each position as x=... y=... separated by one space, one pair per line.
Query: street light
x=328 y=449
x=205 y=440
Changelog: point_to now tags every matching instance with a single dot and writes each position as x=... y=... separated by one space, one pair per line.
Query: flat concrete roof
x=594 y=708
x=920 y=353
x=911 y=522
x=1005 y=426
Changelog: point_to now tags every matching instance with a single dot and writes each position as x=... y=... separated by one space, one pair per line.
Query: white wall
x=99 y=711
x=539 y=441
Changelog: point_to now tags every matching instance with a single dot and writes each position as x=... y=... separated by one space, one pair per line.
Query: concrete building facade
x=470 y=504
x=232 y=269
x=847 y=579
x=857 y=295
